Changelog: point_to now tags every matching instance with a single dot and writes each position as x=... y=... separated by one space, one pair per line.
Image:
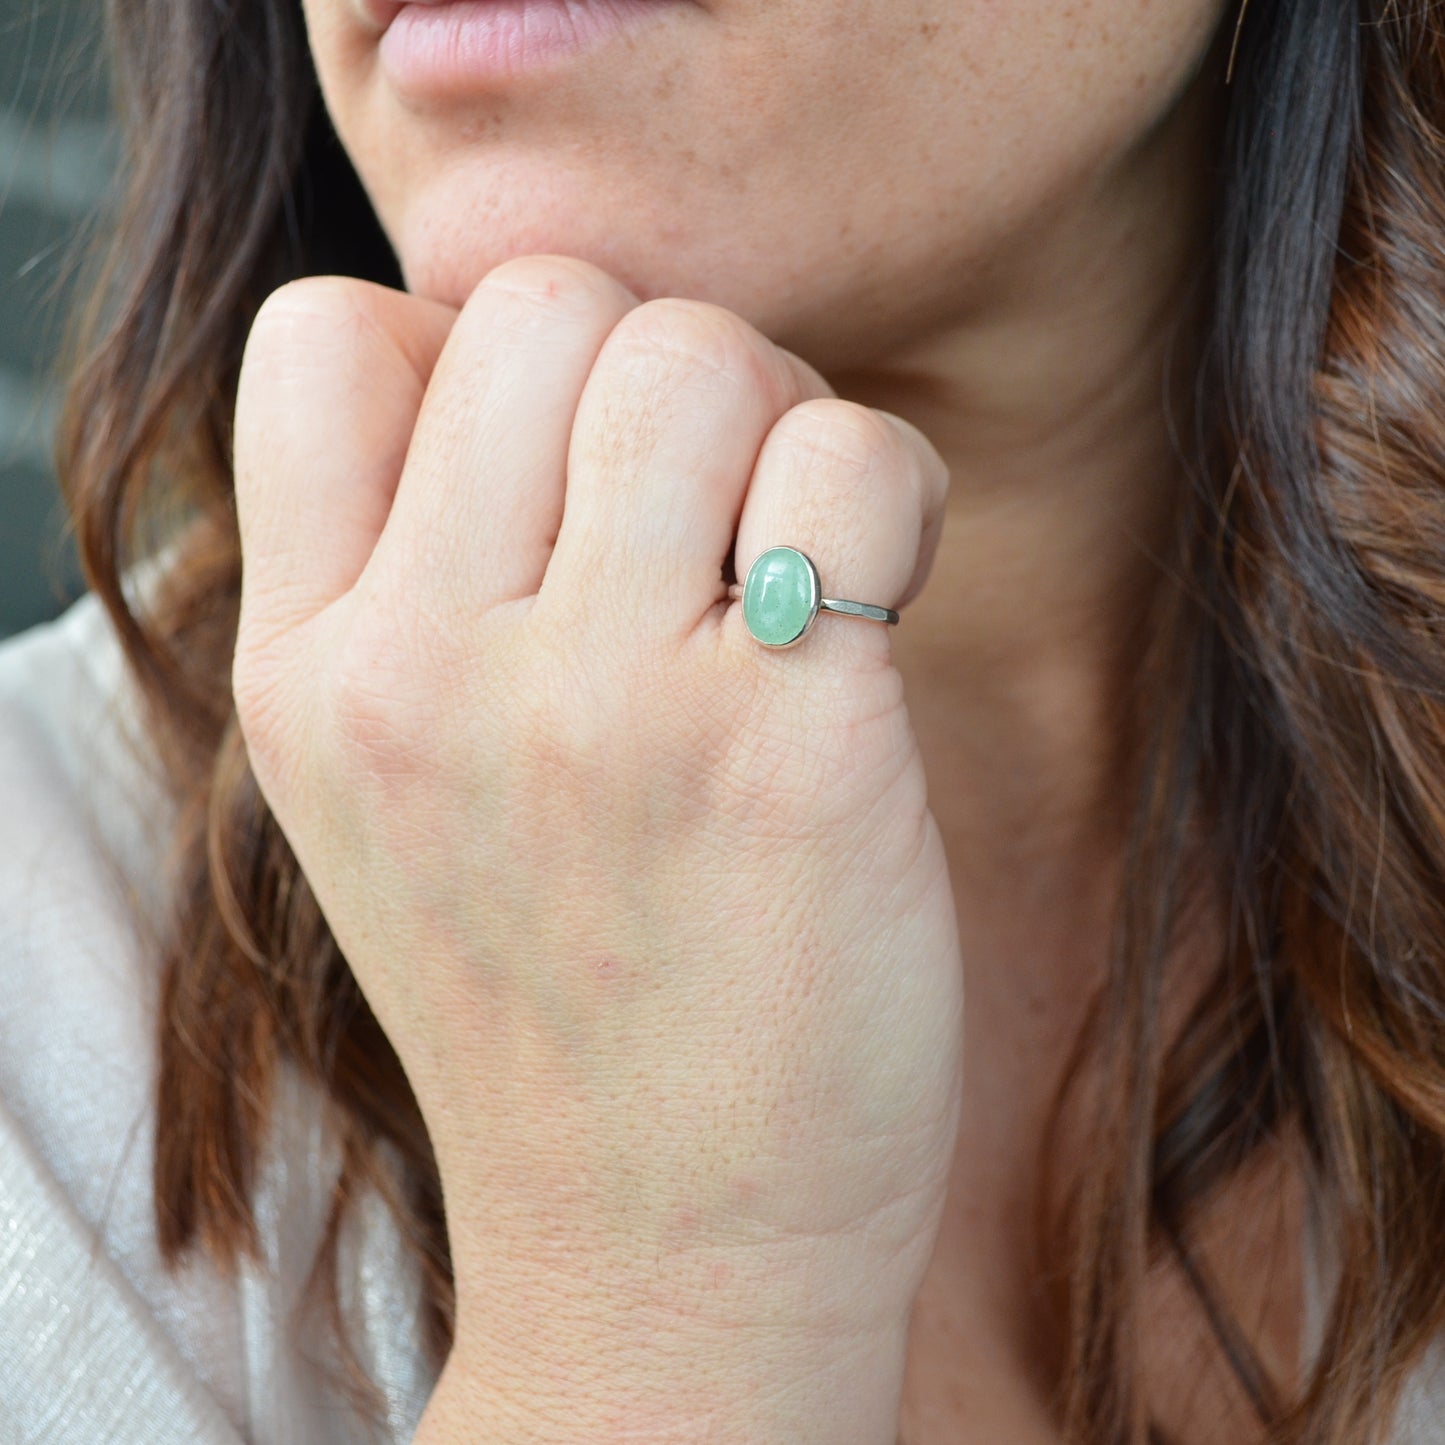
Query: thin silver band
x=836 y=604
x=858 y=609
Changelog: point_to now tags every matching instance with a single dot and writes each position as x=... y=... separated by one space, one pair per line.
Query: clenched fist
x=657 y=918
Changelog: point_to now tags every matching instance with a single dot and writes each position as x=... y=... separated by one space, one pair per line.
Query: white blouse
x=99 y=1343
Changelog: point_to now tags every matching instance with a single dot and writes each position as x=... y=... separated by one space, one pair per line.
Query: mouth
x=432 y=48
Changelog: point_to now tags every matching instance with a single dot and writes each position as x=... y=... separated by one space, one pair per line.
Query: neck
x=1056 y=407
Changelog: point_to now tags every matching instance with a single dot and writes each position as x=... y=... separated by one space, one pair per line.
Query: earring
x=1238 y=26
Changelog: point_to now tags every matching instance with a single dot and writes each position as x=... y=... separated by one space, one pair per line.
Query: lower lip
x=436 y=47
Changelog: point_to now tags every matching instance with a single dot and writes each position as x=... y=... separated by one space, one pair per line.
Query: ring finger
x=861 y=493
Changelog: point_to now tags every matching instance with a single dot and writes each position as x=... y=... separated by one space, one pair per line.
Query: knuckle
x=926 y=457
x=842 y=439
x=311 y=307
x=678 y=333
x=552 y=285
x=315 y=331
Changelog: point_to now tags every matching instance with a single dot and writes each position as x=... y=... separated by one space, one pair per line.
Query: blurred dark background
x=58 y=161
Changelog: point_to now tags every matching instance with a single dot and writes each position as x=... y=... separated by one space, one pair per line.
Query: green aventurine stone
x=780 y=596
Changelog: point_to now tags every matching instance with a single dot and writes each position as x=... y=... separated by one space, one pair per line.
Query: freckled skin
x=848 y=175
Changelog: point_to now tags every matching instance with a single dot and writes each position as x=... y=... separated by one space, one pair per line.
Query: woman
x=513 y=880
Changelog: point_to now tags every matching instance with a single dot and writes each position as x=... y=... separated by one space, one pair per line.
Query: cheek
x=898 y=159
x=968 y=125
x=1025 y=93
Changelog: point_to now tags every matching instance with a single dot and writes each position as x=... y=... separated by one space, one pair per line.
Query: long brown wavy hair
x=1291 y=700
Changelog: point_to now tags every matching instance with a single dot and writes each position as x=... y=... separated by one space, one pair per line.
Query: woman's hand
x=656 y=918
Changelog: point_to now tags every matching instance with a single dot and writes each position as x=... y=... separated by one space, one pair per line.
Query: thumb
x=331 y=382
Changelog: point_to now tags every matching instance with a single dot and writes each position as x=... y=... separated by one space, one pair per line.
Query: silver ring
x=782 y=598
